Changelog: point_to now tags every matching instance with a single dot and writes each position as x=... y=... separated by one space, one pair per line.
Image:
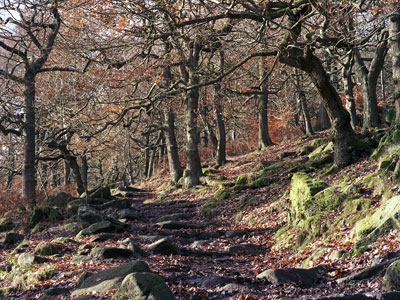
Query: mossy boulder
x=242 y=179
x=389 y=144
x=60 y=199
x=47 y=249
x=302 y=200
x=100 y=192
x=143 y=286
x=44 y=213
x=6 y=226
x=73 y=206
x=10 y=239
x=387 y=162
x=209 y=209
x=100 y=227
x=108 y=279
x=391 y=280
x=384 y=219
x=260 y=182
x=321 y=150
x=26 y=259
x=222 y=195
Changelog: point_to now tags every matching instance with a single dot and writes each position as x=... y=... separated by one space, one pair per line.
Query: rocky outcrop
x=385 y=218
x=108 y=279
x=143 y=286
x=88 y=216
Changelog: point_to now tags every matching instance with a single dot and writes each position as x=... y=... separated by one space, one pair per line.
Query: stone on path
x=175 y=217
x=301 y=277
x=111 y=252
x=178 y=225
x=243 y=249
x=100 y=227
x=102 y=237
x=163 y=246
x=108 y=279
x=143 y=285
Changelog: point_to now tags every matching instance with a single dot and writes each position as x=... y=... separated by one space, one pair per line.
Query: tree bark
x=193 y=166
x=369 y=79
x=85 y=169
x=395 y=47
x=323 y=121
x=303 y=112
x=342 y=131
x=175 y=168
x=264 y=140
x=29 y=172
x=348 y=85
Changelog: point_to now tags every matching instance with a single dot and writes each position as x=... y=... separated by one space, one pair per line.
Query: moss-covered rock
x=321 y=151
x=391 y=280
x=10 y=239
x=143 y=286
x=385 y=218
x=389 y=144
x=60 y=199
x=108 y=279
x=242 y=179
x=301 y=197
x=208 y=209
x=47 y=249
x=44 y=213
x=260 y=183
x=26 y=259
x=6 y=226
x=222 y=195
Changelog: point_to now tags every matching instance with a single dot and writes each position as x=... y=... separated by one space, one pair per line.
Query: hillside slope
x=277 y=209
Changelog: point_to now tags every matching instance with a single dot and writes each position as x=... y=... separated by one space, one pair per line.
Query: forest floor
x=206 y=267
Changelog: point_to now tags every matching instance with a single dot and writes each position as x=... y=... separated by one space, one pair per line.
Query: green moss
x=242 y=179
x=301 y=197
x=259 y=183
x=240 y=187
x=365 y=226
x=370 y=179
x=208 y=209
x=306 y=150
x=244 y=202
x=387 y=162
x=357 y=205
x=389 y=144
x=222 y=195
x=238 y=217
x=275 y=166
x=318 y=142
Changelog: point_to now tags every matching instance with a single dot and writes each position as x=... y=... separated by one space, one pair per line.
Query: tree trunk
x=302 y=106
x=264 y=139
x=348 y=85
x=85 y=169
x=209 y=129
x=193 y=166
x=175 y=168
x=76 y=173
x=54 y=174
x=323 y=121
x=221 y=149
x=67 y=173
x=342 y=131
x=29 y=172
x=369 y=79
x=395 y=47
